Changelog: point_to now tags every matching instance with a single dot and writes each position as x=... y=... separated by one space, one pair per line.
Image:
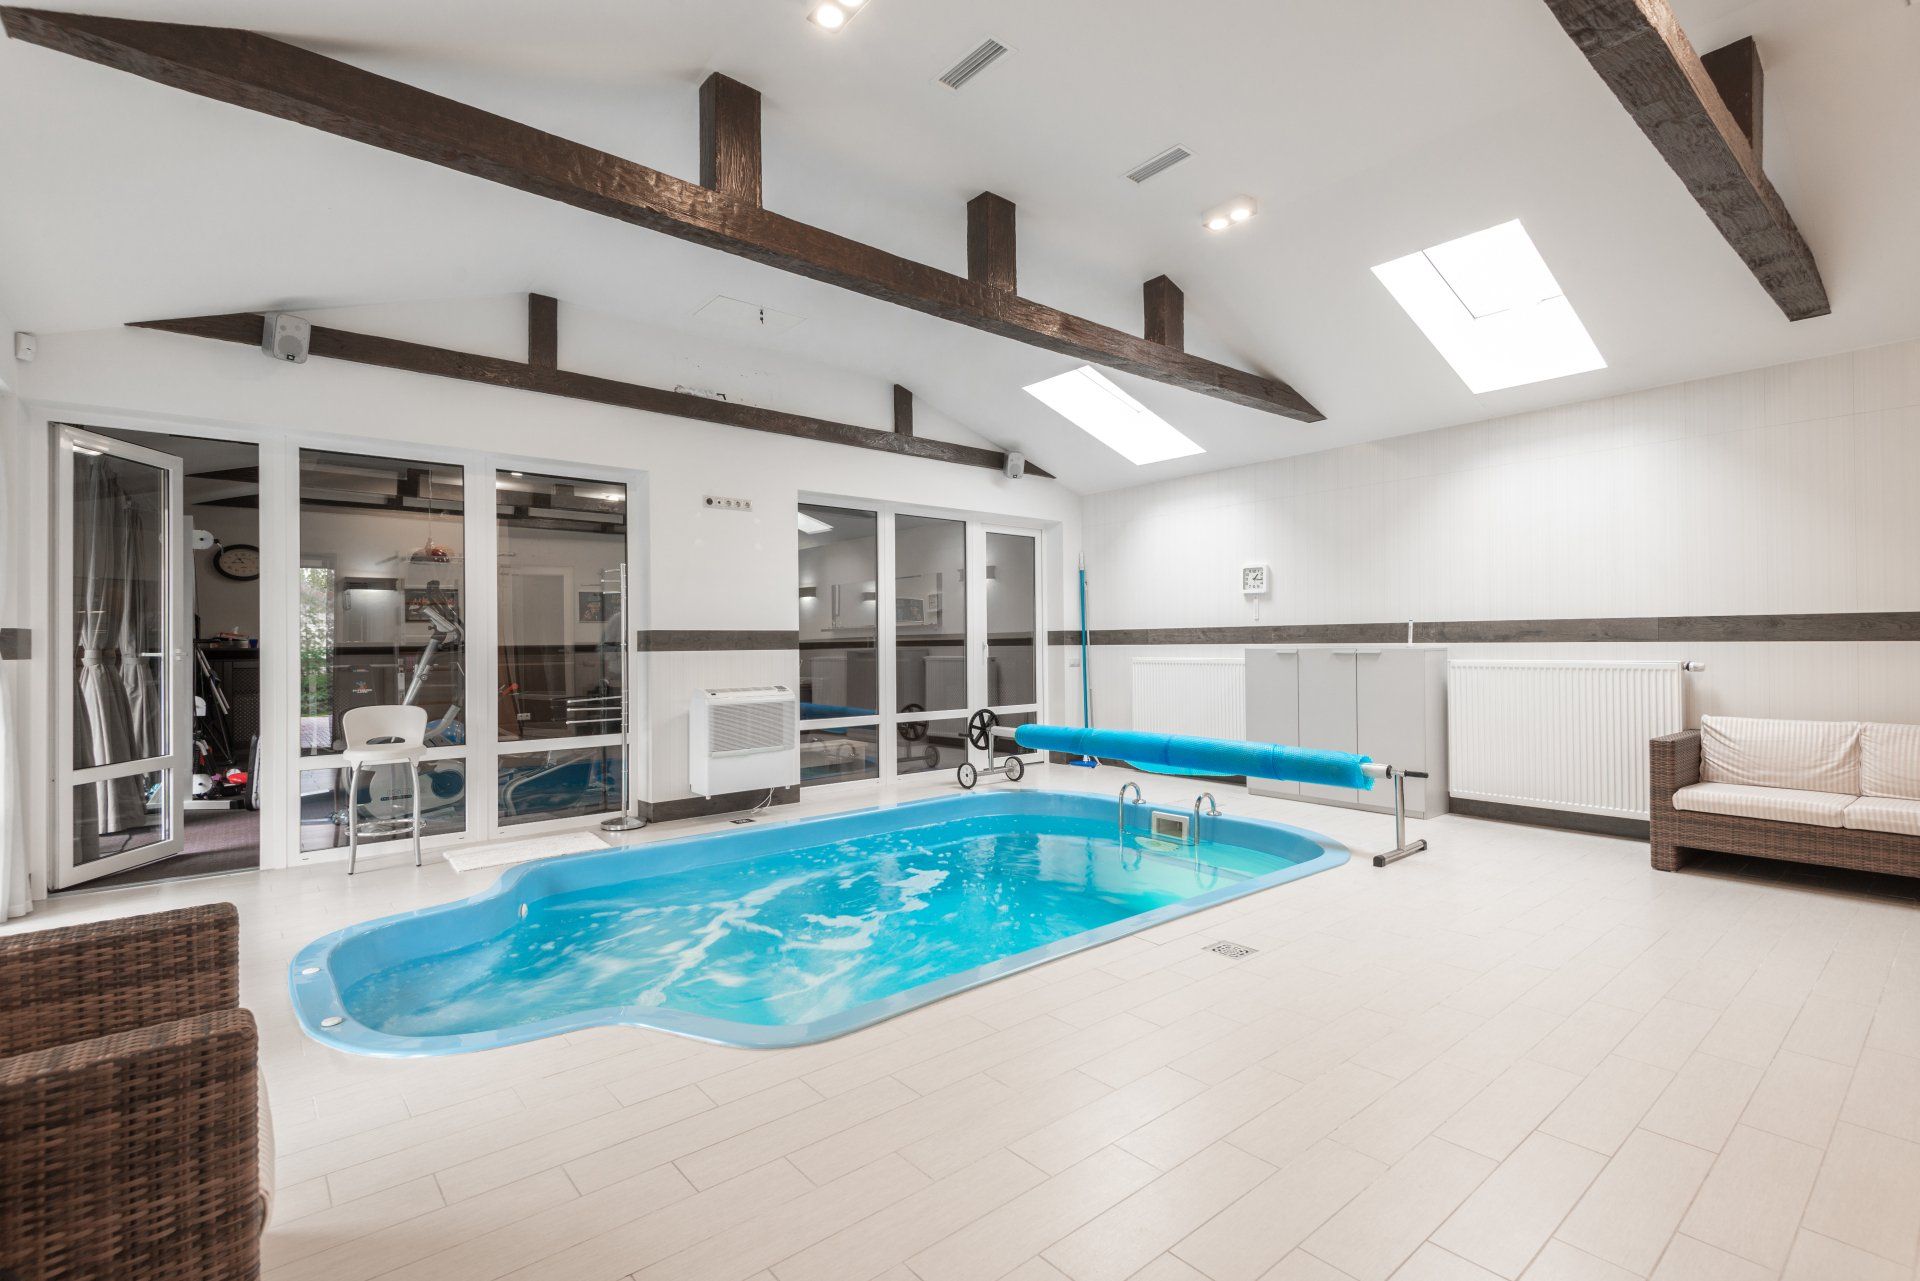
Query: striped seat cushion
x=1807 y=756
x=1885 y=814
x=1779 y=804
x=1890 y=761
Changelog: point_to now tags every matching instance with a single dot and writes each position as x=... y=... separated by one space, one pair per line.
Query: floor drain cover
x=1232 y=951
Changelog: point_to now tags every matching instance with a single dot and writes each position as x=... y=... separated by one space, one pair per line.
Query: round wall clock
x=238 y=561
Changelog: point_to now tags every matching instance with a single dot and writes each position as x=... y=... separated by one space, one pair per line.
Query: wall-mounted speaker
x=1015 y=466
x=285 y=337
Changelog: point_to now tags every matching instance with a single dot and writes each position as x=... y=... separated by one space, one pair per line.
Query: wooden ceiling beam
x=1166 y=313
x=418 y=358
x=902 y=411
x=543 y=331
x=1736 y=72
x=1641 y=53
x=990 y=243
x=730 y=138
x=278 y=79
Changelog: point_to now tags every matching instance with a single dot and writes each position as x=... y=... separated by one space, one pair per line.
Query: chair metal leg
x=353 y=818
x=415 y=766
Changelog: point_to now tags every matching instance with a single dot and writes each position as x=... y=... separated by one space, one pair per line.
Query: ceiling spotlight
x=830 y=15
x=1229 y=213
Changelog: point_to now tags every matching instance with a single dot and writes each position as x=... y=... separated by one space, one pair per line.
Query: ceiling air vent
x=973 y=64
x=1158 y=165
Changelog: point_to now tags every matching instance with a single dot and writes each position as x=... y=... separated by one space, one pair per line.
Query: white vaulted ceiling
x=1365 y=130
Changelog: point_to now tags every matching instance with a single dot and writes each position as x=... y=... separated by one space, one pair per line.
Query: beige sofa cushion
x=1890 y=760
x=1884 y=814
x=1807 y=756
x=1780 y=804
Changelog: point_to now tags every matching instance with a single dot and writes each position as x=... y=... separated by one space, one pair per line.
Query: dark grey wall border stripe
x=1633 y=829
x=15 y=642
x=692 y=641
x=705 y=806
x=1677 y=628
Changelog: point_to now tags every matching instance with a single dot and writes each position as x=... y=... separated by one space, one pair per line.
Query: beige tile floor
x=1521 y=1054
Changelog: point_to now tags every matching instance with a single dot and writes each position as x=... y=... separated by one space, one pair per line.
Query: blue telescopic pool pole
x=1086 y=673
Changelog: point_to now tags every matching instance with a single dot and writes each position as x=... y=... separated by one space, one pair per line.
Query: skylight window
x=1488 y=303
x=1086 y=398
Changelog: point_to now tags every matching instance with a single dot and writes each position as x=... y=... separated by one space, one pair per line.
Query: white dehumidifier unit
x=743 y=740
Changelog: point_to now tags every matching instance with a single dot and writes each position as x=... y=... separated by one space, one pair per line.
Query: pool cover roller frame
x=1185 y=753
x=1203 y=755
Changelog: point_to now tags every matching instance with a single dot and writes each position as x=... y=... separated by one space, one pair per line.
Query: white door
x=1007 y=648
x=124 y=632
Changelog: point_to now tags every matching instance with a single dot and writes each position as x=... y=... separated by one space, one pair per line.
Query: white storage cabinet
x=1384 y=701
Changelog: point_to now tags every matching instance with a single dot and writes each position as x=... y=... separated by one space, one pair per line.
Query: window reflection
x=381 y=593
x=561 y=543
x=839 y=632
x=1011 y=656
x=930 y=612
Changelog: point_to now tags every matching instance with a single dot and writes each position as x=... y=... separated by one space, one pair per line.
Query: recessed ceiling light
x=1490 y=305
x=832 y=14
x=1229 y=213
x=813 y=525
x=1090 y=401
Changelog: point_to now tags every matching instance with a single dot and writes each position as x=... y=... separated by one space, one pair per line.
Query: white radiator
x=1205 y=696
x=1558 y=735
x=742 y=739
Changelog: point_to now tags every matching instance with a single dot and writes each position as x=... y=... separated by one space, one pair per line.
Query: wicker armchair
x=129 y=1105
x=1678 y=834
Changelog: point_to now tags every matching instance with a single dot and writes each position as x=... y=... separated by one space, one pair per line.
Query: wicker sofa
x=131 y=1120
x=1836 y=793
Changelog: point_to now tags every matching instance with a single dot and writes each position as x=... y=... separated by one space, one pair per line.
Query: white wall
x=705 y=570
x=1783 y=490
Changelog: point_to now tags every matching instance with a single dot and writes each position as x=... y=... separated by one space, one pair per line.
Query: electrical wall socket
x=730 y=504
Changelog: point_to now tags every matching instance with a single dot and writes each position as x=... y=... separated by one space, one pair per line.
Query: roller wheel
x=980 y=729
x=967 y=775
x=912 y=731
x=1016 y=769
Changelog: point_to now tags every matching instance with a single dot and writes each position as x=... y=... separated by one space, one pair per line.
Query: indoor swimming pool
x=781 y=934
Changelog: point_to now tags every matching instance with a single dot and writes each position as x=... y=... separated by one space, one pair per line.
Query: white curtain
x=15 y=898
x=103 y=724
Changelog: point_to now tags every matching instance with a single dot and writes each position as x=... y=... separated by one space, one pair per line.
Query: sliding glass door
x=561 y=548
x=126 y=751
x=910 y=622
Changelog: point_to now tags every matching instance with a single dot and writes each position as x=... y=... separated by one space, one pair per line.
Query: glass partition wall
x=908 y=624
x=522 y=666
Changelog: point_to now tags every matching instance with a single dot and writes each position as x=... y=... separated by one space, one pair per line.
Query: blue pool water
x=780 y=934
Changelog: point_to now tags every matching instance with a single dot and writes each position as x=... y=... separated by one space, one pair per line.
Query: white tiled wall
x=672 y=678
x=1794 y=489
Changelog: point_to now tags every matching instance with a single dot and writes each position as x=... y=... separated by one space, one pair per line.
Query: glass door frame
x=176 y=766
x=979 y=679
x=889 y=719
x=486 y=746
x=480 y=753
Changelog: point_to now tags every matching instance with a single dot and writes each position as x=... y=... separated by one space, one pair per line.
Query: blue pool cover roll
x=1202 y=755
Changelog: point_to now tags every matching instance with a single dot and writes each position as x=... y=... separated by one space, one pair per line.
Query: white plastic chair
x=393 y=734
